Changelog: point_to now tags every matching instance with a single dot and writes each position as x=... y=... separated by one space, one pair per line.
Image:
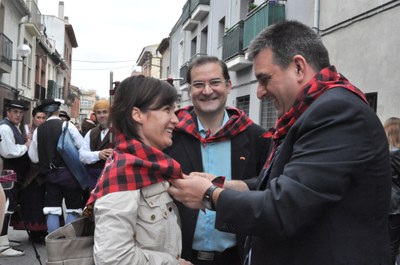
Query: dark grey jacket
x=327 y=197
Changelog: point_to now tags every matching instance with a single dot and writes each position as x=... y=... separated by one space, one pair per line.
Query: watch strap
x=208 y=197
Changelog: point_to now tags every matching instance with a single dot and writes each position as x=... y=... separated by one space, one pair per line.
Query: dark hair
x=204 y=60
x=287 y=39
x=145 y=93
x=35 y=111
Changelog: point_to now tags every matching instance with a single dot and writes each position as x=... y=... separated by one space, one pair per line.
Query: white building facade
x=360 y=35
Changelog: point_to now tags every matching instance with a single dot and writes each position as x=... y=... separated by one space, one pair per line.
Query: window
x=24 y=68
x=221 y=30
x=29 y=68
x=181 y=52
x=193 y=47
x=203 y=41
x=86 y=104
x=243 y=103
x=372 y=99
x=268 y=114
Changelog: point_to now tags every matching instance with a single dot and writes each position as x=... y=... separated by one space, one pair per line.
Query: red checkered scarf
x=133 y=166
x=238 y=122
x=326 y=79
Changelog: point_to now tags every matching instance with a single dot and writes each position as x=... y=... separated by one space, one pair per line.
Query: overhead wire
x=95 y=69
x=85 y=61
x=103 y=62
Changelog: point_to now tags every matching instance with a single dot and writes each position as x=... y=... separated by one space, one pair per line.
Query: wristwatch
x=207 y=198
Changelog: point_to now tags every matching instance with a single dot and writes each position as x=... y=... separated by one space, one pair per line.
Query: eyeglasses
x=213 y=83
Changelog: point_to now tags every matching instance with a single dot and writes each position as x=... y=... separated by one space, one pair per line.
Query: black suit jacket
x=327 y=197
x=249 y=152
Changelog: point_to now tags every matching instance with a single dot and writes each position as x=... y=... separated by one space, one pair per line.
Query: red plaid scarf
x=133 y=166
x=238 y=122
x=326 y=79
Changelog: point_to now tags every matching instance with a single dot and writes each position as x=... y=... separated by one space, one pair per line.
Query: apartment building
x=19 y=28
x=88 y=98
x=150 y=61
x=35 y=55
x=361 y=36
x=60 y=32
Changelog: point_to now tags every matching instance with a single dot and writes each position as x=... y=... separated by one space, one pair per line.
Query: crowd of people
x=204 y=184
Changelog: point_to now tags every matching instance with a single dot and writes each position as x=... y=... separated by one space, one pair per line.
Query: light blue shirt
x=216 y=158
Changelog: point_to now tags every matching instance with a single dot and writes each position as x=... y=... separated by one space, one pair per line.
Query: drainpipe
x=316 y=16
x=22 y=21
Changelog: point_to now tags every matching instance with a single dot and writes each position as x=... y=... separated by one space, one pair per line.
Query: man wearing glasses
x=13 y=150
x=212 y=137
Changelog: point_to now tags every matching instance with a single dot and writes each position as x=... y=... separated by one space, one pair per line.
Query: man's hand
x=208 y=176
x=190 y=190
x=29 y=135
x=28 y=143
x=105 y=153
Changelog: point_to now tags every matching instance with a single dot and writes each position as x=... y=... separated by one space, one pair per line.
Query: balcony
x=237 y=39
x=260 y=18
x=200 y=10
x=193 y=12
x=34 y=26
x=189 y=25
x=5 y=54
x=232 y=49
x=238 y=63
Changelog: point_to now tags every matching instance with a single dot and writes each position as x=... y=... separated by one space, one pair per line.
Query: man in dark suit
x=218 y=139
x=324 y=196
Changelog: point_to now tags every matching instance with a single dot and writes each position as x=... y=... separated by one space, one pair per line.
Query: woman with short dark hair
x=136 y=219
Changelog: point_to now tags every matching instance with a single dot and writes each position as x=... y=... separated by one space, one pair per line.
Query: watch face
x=207 y=203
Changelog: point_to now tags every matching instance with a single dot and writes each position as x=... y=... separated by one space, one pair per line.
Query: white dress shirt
x=8 y=147
x=86 y=155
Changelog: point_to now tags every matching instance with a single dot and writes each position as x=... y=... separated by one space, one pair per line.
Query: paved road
x=30 y=257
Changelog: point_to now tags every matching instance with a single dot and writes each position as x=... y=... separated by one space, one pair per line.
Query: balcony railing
x=183 y=72
x=201 y=8
x=233 y=42
x=190 y=6
x=186 y=12
x=34 y=25
x=263 y=16
x=35 y=13
x=6 y=46
x=195 y=3
x=51 y=89
x=184 y=68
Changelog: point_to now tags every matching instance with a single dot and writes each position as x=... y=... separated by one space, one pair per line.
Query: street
x=30 y=257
